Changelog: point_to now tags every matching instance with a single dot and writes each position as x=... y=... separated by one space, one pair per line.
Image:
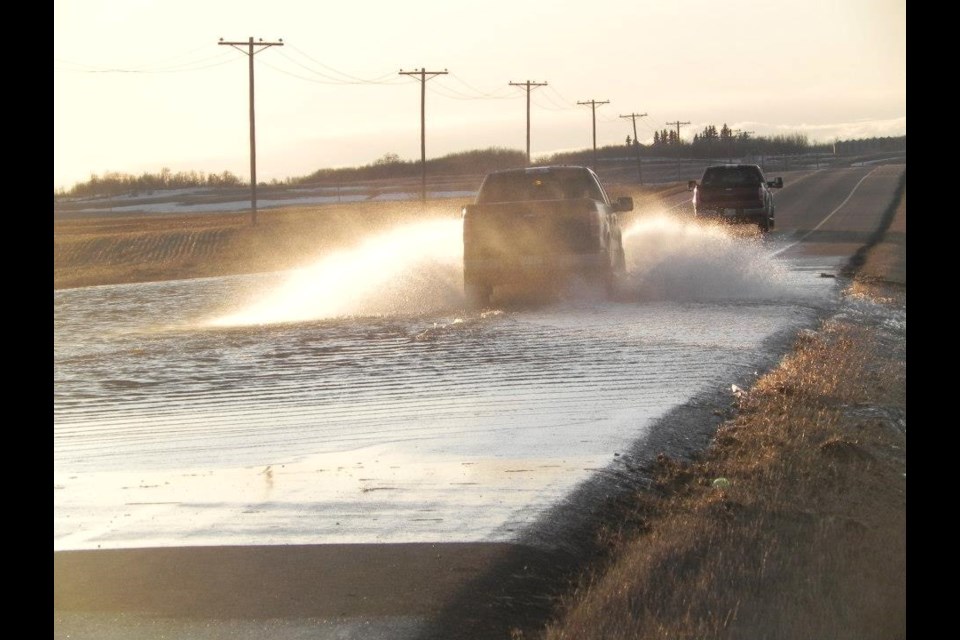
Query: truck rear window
x=536 y=185
x=732 y=176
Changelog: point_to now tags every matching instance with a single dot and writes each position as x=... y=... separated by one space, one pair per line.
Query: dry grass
x=793 y=523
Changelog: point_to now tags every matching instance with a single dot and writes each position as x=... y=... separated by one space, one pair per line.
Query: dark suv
x=736 y=193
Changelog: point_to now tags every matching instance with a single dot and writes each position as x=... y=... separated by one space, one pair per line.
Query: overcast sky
x=140 y=85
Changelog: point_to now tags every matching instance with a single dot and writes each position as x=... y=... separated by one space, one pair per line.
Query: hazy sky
x=140 y=85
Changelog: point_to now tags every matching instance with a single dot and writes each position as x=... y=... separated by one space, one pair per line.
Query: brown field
x=147 y=247
x=791 y=525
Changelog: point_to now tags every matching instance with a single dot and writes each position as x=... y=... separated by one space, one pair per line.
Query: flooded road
x=347 y=451
x=358 y=400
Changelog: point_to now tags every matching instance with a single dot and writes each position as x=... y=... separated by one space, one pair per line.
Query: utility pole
x=253 y=127
x=636 y=143
x=743 y=135
x=678 y=125
x=423 y=73
x=528 y=85
x=593 y=107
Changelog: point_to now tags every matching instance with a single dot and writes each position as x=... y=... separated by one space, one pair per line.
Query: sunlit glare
x=413 y=268
x=671 y=258
x=418 y=268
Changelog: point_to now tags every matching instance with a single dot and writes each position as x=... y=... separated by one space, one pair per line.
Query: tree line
x=726 y=141
x=707 y=143
x=390 y=165
x=114 y=183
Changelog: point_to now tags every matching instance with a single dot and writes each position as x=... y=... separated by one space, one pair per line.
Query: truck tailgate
x=514 y=229
x=732 y=197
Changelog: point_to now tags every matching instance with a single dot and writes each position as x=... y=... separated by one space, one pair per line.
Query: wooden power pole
x=250 y=52
x=593 y=106
x=423 y=73
x=528 y=84
x=636 y=142
x=678 y=125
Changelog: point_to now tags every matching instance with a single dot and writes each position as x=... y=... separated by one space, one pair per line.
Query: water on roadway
x=359 y=400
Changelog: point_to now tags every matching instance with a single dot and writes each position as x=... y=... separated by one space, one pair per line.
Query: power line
x=649 y=128
x=455 y=94
x=327 y=79
x=554 y=106
x=491 y=95
x=164 y=64
x=351 y=79
x=528 y=85
x=423 y=73
x=569 y=103
x=253 y=127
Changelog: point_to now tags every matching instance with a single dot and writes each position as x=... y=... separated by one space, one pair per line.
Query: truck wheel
x=621 y=266
x=478 y=294
x=608 y=273
x=610 y=284
x=765 y=225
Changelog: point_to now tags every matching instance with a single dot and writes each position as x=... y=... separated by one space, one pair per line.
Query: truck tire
x=478 y=294
x=610 y=285
x=608 y=273
x=621 y=265
x=766 y=224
